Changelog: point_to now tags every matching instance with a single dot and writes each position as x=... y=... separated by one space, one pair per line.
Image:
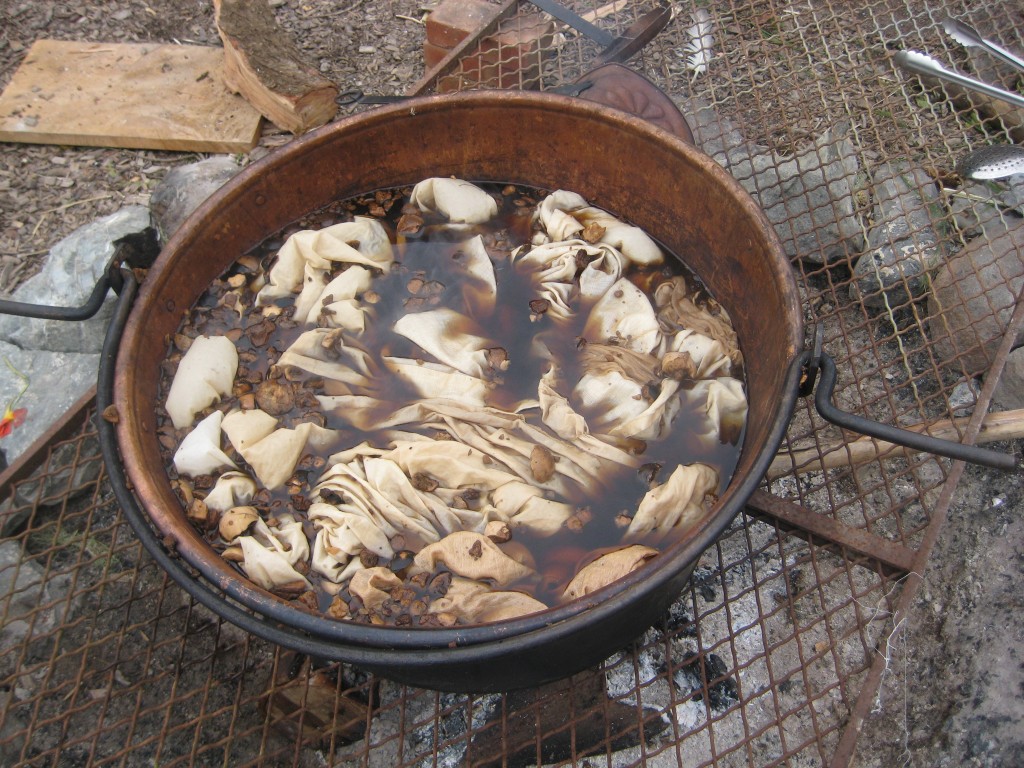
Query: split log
x=262 y=63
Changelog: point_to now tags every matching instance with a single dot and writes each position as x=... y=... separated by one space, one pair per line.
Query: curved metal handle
x=916 y=440
x=136 y=250
x=50 y=312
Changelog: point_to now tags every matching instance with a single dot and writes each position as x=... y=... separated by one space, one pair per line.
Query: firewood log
x=263 y=64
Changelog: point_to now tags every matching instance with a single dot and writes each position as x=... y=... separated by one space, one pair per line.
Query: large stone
x=811 y=198
x=184 y=188
x=1014 y=194
x=72 y=469
x=713 y=133
x=973 y=296
x=69 y=275
x=56 y=382
x=905 y=200
x=1009 y=391
x=29 y=602
x=903 y=245
x=978 y=206
x=893 y=275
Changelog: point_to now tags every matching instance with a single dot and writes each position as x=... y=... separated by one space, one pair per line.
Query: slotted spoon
x=994 y=162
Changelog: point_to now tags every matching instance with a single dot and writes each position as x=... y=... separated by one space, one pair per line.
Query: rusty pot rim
x=363 y=642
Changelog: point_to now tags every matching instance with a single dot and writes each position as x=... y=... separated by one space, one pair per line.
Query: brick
x=453 y=20
x=432 y=54
x=510 y=58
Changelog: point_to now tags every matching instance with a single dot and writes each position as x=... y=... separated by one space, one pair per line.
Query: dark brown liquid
x=514 y=326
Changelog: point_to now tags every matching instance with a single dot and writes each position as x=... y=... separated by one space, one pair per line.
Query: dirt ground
x=966 y=628
x=46 y=192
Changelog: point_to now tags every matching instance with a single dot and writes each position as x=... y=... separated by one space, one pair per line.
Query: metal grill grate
x=773 y=653
x=761 y=659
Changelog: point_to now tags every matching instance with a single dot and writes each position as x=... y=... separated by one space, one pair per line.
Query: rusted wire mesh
x=773 y=652
x=759 y=659
x=810 y=90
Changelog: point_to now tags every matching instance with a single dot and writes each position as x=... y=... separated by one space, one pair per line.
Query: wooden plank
x=138 y=96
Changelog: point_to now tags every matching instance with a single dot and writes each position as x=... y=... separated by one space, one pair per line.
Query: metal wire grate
x=773 y=653
x=759 y=660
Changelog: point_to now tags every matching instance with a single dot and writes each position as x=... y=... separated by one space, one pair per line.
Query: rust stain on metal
x=894 y=558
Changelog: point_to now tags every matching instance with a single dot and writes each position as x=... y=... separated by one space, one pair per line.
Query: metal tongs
x=922 y=64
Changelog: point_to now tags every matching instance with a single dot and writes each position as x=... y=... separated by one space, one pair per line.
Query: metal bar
x=920 y=64
x=49 y=312
x=1002 y=425
x=577 y=22
x=917 y=440
x=895 y=558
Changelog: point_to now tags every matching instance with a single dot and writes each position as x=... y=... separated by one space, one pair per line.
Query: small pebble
x=963 y=398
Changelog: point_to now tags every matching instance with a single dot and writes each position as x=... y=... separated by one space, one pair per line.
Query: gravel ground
x=952 y=692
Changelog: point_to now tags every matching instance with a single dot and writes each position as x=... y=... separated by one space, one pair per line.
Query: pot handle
x=819 y=364
x=136 y=250
x=620 y=87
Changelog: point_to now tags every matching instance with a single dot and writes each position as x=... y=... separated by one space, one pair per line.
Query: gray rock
x=72 y=470
x=69 y=275
x=713 y=133
x=892 y=275
x=185 y=188
x=30 y=603
x=56 y=382
x=963 y=397
x=1014 y=194
x=973 y=295
x=1009 y=391
x=978 y=206
x=811 y=199
x=903 y=246
x=904 y=199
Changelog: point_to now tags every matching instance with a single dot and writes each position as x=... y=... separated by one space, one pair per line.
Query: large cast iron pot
x=616 y=161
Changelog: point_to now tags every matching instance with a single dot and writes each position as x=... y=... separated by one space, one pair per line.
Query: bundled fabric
x=431 y=457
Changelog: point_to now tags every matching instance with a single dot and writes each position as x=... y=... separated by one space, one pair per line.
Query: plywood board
x=140 y=96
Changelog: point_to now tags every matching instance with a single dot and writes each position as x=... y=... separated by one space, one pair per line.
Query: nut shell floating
x=400 y=525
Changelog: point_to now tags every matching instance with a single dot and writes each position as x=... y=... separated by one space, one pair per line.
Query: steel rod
x=1005 y=425
x=49 y=312
x=577 y=22
x=895 y=558
x=905 y=437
